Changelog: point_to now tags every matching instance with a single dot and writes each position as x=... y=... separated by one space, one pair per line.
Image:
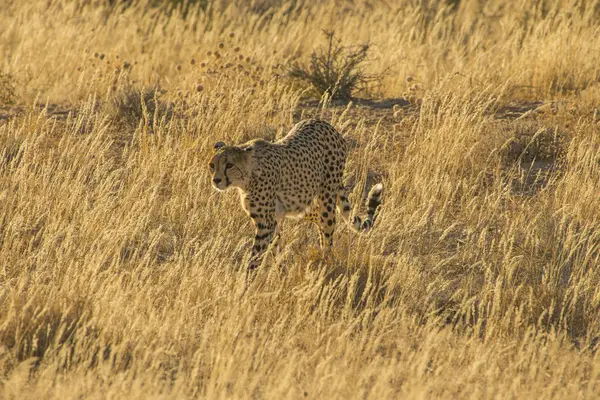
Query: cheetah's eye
x=228 y=165
x=212 y=167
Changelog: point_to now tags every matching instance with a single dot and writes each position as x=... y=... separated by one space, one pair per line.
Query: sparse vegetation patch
x=336 y=70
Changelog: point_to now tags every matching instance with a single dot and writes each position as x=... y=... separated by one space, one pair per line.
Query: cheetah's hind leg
x=326 y=206
x=314 y=216
x=318 y=216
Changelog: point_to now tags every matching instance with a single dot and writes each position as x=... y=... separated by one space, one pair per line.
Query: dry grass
x=121 y=269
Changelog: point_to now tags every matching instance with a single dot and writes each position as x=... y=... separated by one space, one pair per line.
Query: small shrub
x=336 y=70
x=131 y=104
x=7 y=89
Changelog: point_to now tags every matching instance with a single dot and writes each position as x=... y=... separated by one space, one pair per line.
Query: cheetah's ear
x=218 y=145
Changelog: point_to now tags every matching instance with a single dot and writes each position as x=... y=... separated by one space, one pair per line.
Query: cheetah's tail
x=373 y=202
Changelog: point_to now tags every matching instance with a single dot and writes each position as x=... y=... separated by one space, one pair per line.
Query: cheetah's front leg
x=266 y=228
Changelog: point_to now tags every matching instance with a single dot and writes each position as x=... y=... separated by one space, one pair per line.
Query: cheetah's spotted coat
x=298 y=176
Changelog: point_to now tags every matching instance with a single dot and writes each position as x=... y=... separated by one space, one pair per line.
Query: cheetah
x=299 y=176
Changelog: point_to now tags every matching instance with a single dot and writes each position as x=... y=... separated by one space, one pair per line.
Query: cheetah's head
x=229 y=166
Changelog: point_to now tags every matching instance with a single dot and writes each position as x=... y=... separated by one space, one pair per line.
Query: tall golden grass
x=122 y=270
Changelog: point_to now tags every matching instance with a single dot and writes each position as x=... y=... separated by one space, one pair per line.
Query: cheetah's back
x=314 y=159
